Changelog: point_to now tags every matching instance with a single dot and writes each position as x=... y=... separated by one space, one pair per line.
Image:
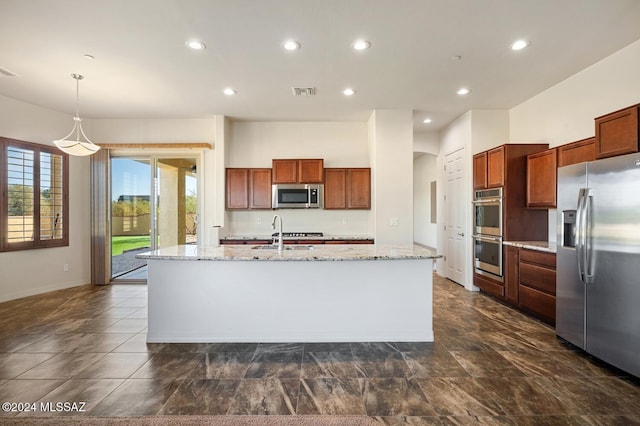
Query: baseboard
x=39 y=290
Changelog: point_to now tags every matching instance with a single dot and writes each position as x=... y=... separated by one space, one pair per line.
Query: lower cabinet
x=489 y=285
x=243 y=241
x=511 y=274
x=311 y=242
x=529 y=282
x=537 y=284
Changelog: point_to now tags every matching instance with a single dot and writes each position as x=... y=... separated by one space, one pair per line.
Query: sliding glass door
x=153 y=204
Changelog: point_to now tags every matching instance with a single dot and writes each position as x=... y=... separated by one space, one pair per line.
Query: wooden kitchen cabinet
x=489 y=285
x=237 y=188
x=542 y=176
x=488 y=168
x=511 y=275
x=537 y=284
x=577 y=152
x=480 y=171
x=359 y=188
x=367 y=241
x=298 y=170
x=617 y=133
x=495 y=167
x=335 y=189
x=233 y=242
x=248 y=188
x=259 y=188
x=347 y=188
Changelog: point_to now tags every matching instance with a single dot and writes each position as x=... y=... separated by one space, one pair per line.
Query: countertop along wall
x=564 y=113
x=340 y=144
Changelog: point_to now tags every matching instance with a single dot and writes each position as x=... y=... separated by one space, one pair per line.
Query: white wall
x=391 y=145
x=426 y=142
x=424 y=172
x=564 y=113
x=489 y=128
x=138 y=130
x=340 y=144
x=29 y=272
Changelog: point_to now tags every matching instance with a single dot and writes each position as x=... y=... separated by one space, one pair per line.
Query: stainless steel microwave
x=297 y=196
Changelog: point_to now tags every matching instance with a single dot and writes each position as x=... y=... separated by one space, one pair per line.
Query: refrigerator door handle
x=588 y=250
x=580 y=249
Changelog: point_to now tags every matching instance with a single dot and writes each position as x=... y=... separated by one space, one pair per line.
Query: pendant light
x=79 y=147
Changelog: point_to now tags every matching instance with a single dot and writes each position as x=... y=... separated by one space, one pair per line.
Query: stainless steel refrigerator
x=598 y=260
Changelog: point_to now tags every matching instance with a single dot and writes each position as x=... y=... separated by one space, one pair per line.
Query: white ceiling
x=142 y=68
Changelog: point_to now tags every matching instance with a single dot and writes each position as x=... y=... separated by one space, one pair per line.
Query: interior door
x=455 y=217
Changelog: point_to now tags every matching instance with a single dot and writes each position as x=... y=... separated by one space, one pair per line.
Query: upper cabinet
x=617 y=133
x=577 y=152
x=298 y=171
x=480 y=171
x=488 y=169
x=347 y=188
x=248 y=188
x=541 y=179
x=259 y=188
x=495 y=167
x=237 y=192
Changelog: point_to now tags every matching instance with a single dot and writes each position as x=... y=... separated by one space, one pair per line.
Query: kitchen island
x=324 y=293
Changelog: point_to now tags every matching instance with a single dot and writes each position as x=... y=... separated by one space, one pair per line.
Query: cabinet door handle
x=461 y=234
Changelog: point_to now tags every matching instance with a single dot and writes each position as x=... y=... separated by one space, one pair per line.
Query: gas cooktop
x=299 y=234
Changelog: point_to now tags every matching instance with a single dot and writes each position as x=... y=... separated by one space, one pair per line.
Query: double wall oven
x=487 y=233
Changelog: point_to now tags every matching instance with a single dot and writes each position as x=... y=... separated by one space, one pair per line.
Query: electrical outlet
x=259 y=220
x=344 y=220
x=65 y=267
x=394 y=221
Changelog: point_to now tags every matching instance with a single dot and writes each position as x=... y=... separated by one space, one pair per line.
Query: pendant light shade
x=76 y=142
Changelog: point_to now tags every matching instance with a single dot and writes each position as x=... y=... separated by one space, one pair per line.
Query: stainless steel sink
x=289 y=247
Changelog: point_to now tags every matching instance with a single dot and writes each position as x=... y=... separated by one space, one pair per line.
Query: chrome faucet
x=273 y=226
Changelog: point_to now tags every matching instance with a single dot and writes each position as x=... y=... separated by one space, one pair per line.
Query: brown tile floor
x=489 y=364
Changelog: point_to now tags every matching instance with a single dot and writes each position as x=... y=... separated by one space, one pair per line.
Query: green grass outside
x=124 y=243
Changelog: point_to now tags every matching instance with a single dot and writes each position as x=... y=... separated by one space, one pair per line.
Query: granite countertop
x=321 y=252
x=545 y=246
x=322 y=238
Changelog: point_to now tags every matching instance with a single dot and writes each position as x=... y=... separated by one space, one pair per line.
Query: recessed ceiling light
x=361 y=45
x=463 y=91
x=195 y=45
x=426 y=121
x=456 y=57
x=349 y=92
x=89 y=57
x=229 y=91
x=291 y=45
x=520 y=44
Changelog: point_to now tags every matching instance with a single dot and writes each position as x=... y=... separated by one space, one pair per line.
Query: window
x=35 y=203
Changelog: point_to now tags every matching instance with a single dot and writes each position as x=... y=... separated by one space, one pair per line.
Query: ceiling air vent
x=6 y=73
x=303 y=91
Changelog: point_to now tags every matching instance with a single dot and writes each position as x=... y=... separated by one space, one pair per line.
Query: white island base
x=259 y=300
